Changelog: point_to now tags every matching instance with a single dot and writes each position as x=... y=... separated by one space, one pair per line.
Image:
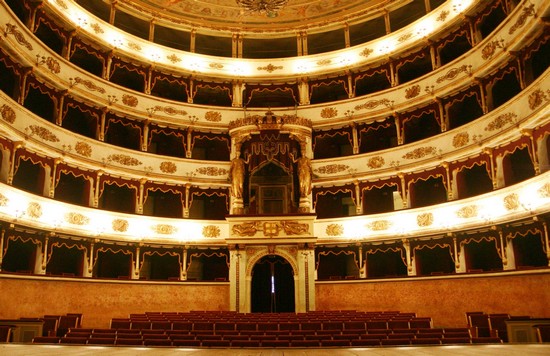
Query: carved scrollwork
x=334 y=230
x=332 y=168
x=83 y=149
x=120 y=225
x=511 y=201
x=77 y=219
x=34 y=210
x=466 y=212
x=164 y=229
x=168 y=167
x=8 y=114
x=424 y=219
x=211 y=231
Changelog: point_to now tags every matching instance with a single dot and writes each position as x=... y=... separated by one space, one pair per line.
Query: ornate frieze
x=52 y=63
x=527 y=12
x=511 y=201
x=536 y=99
x=12 y=30
x=332 y=168
x=97 y=29
x=42 y=132
x=212 y=171
x=211 y=231
x=442 y=16
x=469 y=211
x=270 y=68
x=3 y=200
x=328 y=113
x=125 y=160
x=173 y=58
x=87 y=83
x=412 y=91
x=34 y=210
x=489 y=50
x=218 y=66
x=366 y=52
x=245 y=229
x=424 y=219
x=371 y=104
x=420 y=152
x=453 y=73
x=500 y=121
x=271 y=228
x=120 y=225
x=213 y=116
x=379 y=225
x=461 y=139
x=164 y=229
x=8 y=114
x=168 y=167
x=134 y=46
x=375 y=162
x=404 y=37
x=334 y=230
x=83 y=149
x=130 y=100
x=544 y=191
x=77 y=219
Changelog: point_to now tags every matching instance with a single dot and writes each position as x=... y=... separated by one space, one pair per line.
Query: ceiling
x=228 y=15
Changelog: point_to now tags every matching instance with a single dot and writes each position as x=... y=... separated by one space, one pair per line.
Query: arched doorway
x=272 y=286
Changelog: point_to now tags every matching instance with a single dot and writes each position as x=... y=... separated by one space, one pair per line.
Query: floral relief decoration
x=213 y=116
x=125 y=160
x=120 y=225
x=332 y=168
x=375 y=162
x=3 y=200
x=212 y=171
x=544 y=191
x=489 y=50
x=424 y=219
x=173 y=58
x=87 y=83
x=270 y=68
x=12 y=30
x=511 y=201
x=536 y=99
x=211 y=231
x=500 y=121
x=461 y=139
x=334 y=230
x=164 y=229
x=77 y=219
x=366 y=52
x=42 y=132
x=468 y=211
x=168 y=167
x=379 y=225
x=371 y=104
x=453 y=73
x=527 y=11
x=420 y=152
x=8 y=114
x=34 y=210
x=412 y=91
x=83 y=149
x=328 y=113
x=130 y=100
x=97 y=28
x=442 y=15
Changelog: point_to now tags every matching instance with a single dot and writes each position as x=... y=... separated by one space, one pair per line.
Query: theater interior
x=291 y=177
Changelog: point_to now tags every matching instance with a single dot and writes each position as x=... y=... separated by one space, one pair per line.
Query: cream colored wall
x=446 y=299
x=100 y=302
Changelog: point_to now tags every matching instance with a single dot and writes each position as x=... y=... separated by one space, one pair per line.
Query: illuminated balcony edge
x=524 y=200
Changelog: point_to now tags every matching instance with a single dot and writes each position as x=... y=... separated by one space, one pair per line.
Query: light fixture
x=270 y=8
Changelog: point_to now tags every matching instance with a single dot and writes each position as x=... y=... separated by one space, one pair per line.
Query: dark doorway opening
x=272 y=286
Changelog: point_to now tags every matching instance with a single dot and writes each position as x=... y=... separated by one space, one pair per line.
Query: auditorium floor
x=451 y=350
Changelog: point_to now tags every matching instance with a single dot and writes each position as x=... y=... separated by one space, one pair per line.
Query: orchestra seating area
x=236 y=330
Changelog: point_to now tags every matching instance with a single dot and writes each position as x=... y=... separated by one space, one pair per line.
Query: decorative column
x=183 y=265
x=459 y=256
x=41 y=257
x=136 y=265
x=141 y=196
x=238 y=88
x=306 y=276
x=409 y=256
x=2 y=236
x=88 y=268
x=546 y=242
x=16 y=146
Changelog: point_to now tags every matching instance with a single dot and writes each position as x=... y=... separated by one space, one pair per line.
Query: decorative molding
x=366 y=52
x=8 y=114
x=412 y=91
x=34 y=210
x=375 y=162
x=442 y=16
x=425 y=219
x=489 y=50
x=164 y=229
x=536 y=98
x=168 y=167
x=125 y=160
x=328 y=113
x=83 y=149
x=87 y=83
x=77 y=219
x=334 y=230
x=420 y=152
x=332 y=168
x=527 y=11
x=130 y=100
x=12 y=30
x=120 y=225
x=211 y=231
x=466 y=212
x=379 y=225
x=453 y=73
x=212 y=171
x=42 y=132
x=500 y=121
x=371 y=104
x=461 y=139
x=511 y=201
x=3 y=200
x=213 y=116
x=544 y=191
x=270 y=68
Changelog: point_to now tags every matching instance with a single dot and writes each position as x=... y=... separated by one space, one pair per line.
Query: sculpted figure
x=236 y=173
x=304 y=175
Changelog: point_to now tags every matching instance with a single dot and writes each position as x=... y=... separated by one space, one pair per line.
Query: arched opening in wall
x=81 y=120
x=482 y=254
x=529 y=250
x=473 y=181
x=270 y=190
x=29 y=176
x=385 y=262
x=272 y=288
x=112 y=262
x=517 y=166
x=120 y=198
x=19 y=255
x=66 y=259
x=163 y=203
x=337 y=263
x=429 y=191
x=72 y=189
x=433 y=259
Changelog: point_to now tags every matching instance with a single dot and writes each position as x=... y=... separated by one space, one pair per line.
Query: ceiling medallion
x=270 y=8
